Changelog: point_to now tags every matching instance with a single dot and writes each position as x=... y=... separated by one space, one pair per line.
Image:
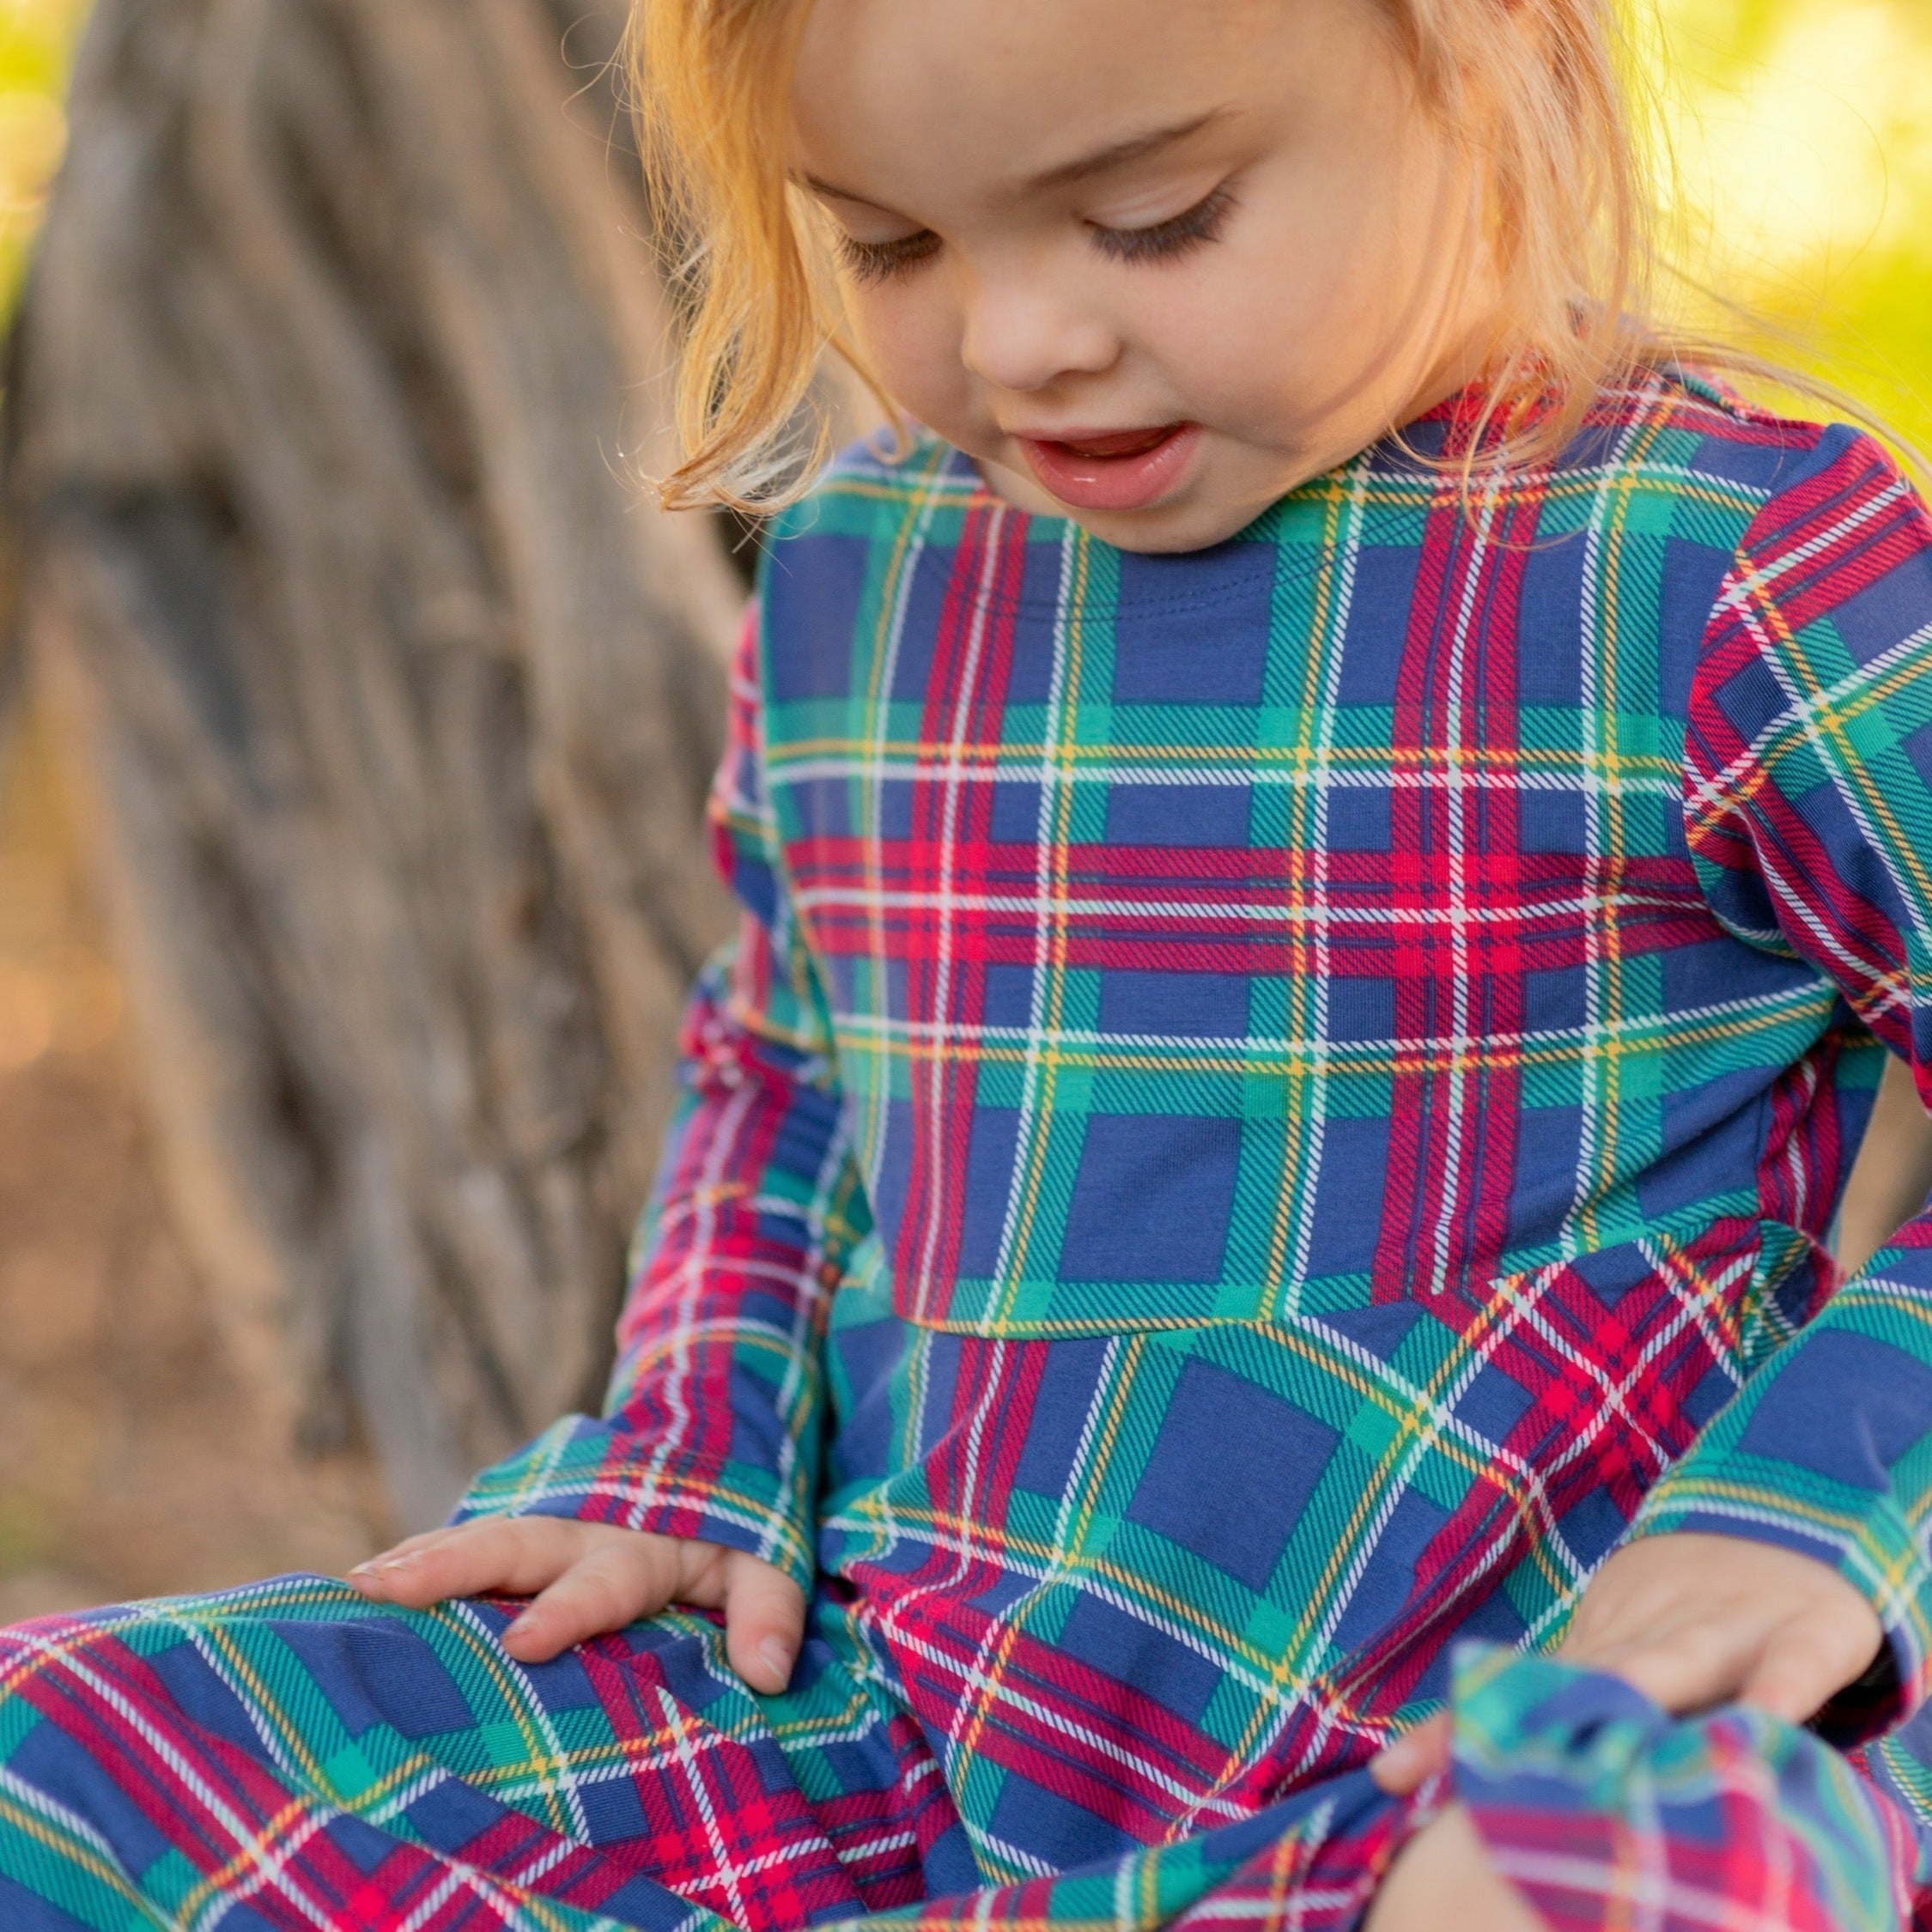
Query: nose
x=1022 y=334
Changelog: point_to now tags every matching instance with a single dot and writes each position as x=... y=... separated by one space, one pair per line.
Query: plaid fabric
x=1269 y=1105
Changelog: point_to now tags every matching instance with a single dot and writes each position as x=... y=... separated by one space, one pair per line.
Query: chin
x=1167 y=529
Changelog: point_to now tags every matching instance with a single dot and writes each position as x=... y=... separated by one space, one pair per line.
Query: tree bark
x=394 y=702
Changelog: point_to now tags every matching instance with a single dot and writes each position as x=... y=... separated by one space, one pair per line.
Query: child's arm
x=1768 y=1560
x=708 y=1445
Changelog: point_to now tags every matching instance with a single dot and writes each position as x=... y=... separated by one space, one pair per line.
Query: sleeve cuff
x=1864 y=1536
x=591 y=1472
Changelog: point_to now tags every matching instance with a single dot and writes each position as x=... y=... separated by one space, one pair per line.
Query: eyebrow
x=1116 y=154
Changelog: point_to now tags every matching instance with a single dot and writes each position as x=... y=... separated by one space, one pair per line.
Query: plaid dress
x=1270 y=1106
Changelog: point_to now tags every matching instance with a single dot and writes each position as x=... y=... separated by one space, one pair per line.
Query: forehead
x=900 y=97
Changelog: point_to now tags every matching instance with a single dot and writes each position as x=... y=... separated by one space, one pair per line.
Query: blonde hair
x=1548 y=94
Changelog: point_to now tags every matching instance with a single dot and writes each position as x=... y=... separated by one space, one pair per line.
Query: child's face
x=1225 y=224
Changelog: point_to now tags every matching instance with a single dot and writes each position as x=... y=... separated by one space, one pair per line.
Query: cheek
x=910 y=334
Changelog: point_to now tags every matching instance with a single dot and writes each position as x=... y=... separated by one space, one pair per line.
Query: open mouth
x=1115 y=469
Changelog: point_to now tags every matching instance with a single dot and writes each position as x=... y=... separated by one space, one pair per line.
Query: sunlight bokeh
x=1802 y=132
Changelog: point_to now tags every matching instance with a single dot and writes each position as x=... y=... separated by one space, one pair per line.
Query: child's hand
x=1693 y=1621
x=588 y=1578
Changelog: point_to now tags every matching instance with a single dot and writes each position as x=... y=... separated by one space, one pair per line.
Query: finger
x=764 y=1622
x=1791 y=1679
x=1698 y=1665
x=517 y=1555
x=615 y=1584
x=1413 y=1757
x=397 y=1552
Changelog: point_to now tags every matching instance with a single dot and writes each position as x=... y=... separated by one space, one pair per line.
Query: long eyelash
x=1189 y=229
x=880 y=261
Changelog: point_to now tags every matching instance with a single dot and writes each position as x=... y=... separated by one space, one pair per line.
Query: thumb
x=764 y=1622
x=1414 y=1756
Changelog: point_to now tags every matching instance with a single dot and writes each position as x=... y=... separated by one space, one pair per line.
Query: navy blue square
x=1362 y=1009
x=1704 y=974
x=1555 y=822
x=451 y=1815
x=913 y=642
x=360 y=1844
x=895 y=808
x=938 y=1366
x=868 y=1356
x=1009 y=996
x=1177 y=815
x=1751 y=699
x=1193 y=628
x=611 y=1811
x=1693 y=574
x=1377 y=623
x=1592 y=1525
x=1494 y=1403
x=1358 y=819
x=1016 y=811
x=1187 y=1006
x=1036 y=626
x=1549 y=1146
x=1748 y=459
x=1151 y=1199
x=821 y=807
x=1133 y=1652
x=894 y=1172
x=1062 y=1399
x=1388 y=1577
x=1610 y=1273
x=989 y=1186
x=1556 y=998
x=1048 y=1825
x=1918 y=748
x=643 y=1902
x=1235 y=1511
x=23 y=1911
x=1714 y=1390
x=813 y=597
x=1712 y=1137
x=1848 y=1406
x=1354 y=1165
x=1550 y=664
x=205 y=1699
x=1380 y=1329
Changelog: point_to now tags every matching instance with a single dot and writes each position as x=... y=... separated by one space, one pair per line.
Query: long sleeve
x=1809 y=816
x=713 y=1421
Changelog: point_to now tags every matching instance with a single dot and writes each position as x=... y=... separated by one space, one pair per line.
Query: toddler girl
x=1323 y=843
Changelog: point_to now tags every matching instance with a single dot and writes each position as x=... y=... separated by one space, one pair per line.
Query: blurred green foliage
x=1801 y=132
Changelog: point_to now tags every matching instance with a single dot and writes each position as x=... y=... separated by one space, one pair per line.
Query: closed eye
x=1192 y=228
x=880 y=261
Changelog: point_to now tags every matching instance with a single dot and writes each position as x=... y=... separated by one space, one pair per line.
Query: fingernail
x=1400 y=1757
x=775 y=1655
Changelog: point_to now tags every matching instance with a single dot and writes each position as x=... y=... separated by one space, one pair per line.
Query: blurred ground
x=129 y=1460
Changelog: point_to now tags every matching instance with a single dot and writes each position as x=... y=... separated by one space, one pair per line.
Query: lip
x=1130 y=481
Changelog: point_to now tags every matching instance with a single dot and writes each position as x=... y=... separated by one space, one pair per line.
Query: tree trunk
x=394 y=702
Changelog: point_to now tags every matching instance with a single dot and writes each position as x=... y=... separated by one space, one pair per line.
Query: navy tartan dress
x=1270 y=1107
